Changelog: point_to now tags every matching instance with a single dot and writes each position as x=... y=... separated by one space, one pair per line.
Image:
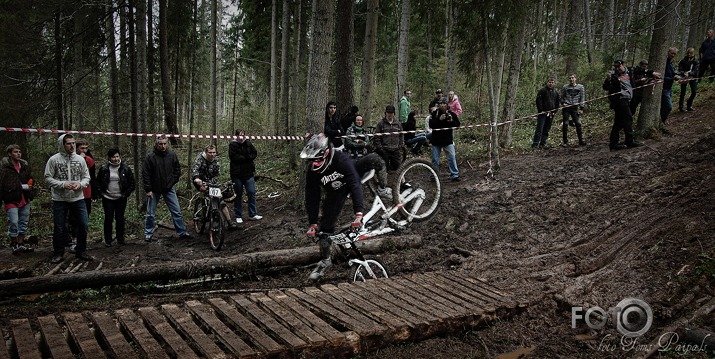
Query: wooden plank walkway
x=328 y=321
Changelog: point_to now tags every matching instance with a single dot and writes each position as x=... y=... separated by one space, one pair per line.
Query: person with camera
x=442 y=121
x=206 y=169
x=640 y=76
x=358 y=145
x=688 y=69
x=547 y=103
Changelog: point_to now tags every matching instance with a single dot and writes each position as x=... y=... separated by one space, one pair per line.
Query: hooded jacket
x=161 y=171
x=242 y=156
x=11 y=182
x=66 y=167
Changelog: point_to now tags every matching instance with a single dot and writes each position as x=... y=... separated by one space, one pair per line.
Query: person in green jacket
x=405 y=106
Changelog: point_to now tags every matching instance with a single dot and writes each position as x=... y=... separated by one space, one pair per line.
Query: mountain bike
x=416 y=193
x=207 y=210
x=416 y=196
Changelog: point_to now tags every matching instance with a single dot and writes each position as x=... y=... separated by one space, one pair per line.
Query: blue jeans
x=173 y=203
x=17 y=219
x=250 y=185
x=541 y=133
x=666 y=104
x=451 y=159
x=76 y=209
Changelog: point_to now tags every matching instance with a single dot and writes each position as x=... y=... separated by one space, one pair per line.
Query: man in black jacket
x=620 y=91
x=241 y=152
x=444 y=139
x=161 y=171
x=547 y=103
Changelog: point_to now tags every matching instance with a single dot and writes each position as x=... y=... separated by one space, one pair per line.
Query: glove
x=311 y=231
x=357 y=222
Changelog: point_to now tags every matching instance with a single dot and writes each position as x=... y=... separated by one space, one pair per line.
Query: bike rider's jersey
x=207 y=171
x=340 y=176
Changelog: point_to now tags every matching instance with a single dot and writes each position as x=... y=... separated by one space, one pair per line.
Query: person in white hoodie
x=66 y=174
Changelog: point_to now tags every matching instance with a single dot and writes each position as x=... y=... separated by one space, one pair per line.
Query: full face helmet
x=319 y=151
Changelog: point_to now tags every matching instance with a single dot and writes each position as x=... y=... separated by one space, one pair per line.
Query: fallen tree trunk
x=240 y=264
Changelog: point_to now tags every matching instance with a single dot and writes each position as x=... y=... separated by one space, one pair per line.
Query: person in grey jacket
x=66 y=174
x=573 y=98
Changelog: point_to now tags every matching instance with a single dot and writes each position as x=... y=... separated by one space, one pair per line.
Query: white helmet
x=318 y=150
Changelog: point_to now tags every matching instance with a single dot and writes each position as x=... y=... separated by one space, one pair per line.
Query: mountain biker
x=358 y=145
x=206 y=170
x=336 y=173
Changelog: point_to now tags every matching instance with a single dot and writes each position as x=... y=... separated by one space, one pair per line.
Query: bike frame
x=386 y=223
x=345 y=240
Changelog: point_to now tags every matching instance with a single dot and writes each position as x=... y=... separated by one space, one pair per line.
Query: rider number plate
x=214 y=192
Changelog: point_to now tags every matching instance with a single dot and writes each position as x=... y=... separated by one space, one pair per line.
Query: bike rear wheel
x=216 y=233
x=418 y=190
x=372 y=268
x=199 y=216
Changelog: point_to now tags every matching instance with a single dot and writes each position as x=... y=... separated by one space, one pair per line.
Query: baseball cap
x=443 y=99
x=438 y=91
x=390 y=109
x=618 y=63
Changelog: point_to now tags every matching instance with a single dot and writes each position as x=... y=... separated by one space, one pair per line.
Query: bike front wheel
x=372 y=268
x=199 y=216
x=216 y=234
x=418 y=190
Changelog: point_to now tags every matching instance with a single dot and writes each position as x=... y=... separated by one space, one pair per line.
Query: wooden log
x=240 y=264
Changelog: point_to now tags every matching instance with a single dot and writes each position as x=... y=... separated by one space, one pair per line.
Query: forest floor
x=556 y=228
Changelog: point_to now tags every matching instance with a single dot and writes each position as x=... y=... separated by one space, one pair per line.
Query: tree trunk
x=274 y=70
x=451 y=45
x=213 y=70
x=512 y=86
x=133 y=68
x=241 y=264
x=403 y=48
x=167 y=94
x=113 y=71
x=589 y=32
x=649 y=122
x=59 y=96
x=295 y=85
x=345 y=55
x=283 y=121
x=368 y=61
x=608 y=24
x=494 y=136
x=321 y=41
x=572 y=41
x=151 y=70
x=141 y=60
